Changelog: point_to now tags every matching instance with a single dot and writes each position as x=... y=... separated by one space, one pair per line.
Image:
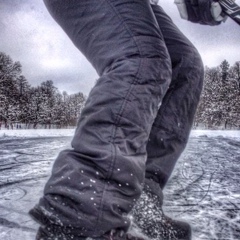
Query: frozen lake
x=204 y=188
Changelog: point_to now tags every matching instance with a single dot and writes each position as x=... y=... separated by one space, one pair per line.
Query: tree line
x=45 y=105
x=26 y=106
x=219 y=106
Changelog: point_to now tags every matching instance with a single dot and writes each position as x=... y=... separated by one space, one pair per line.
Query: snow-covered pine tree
x=219 y=106
x=207 y=110
x=23 y=99
x=234 y=77
x=9 y=72
x=224 y=66
x=227 y=96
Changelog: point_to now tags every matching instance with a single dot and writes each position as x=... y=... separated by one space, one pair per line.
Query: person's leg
x=172 y=126
x=94 y=185
x=170 y=132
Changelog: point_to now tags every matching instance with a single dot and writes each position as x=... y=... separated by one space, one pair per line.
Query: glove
x=207 y=12
x=217 y=13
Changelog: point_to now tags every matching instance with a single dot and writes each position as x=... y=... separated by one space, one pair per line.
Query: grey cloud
x=29 y=35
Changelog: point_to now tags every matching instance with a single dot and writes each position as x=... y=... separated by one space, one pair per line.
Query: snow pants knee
x=94 y=185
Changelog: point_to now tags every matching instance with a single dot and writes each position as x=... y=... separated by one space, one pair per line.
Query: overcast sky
x=29 y=35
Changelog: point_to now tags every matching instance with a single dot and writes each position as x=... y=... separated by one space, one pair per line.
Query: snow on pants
x=94 y=185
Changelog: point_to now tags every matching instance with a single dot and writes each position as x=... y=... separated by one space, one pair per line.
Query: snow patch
x=215 y=133
x=35 y=133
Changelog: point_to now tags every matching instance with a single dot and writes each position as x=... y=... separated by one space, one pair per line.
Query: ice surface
x=203 y=190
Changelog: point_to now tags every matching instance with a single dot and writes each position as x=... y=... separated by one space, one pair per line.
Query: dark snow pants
x=136 y=120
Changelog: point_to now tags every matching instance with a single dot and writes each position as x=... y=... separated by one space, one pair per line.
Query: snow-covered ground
x=32 y=133
x=204 y=189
